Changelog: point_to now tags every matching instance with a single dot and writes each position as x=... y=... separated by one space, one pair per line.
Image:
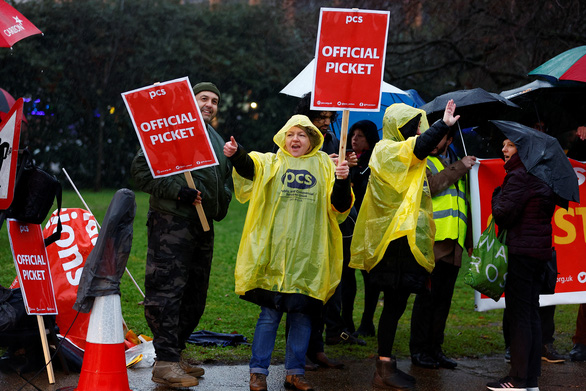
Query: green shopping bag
x=487 y=267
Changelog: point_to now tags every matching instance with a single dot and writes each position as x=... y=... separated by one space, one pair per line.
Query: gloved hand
x=188 y=195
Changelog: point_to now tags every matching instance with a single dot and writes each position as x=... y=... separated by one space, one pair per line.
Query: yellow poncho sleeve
x=397 y=203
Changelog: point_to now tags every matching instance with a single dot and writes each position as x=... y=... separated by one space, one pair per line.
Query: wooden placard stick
x=198 y=207
x=343 y=137
x=46 y=351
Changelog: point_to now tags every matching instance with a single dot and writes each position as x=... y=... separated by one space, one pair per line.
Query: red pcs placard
x=350 y=54
x=32 y=267
x=170 y=128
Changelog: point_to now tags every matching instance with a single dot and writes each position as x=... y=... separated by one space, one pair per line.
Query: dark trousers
x=395 y=302
x=177 y=275
x=580 y=336
x=348 y=284
x=546 y=314
x=522 y=296
x=431 y=310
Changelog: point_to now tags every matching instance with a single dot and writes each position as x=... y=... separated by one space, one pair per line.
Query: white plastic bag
x=146 y=349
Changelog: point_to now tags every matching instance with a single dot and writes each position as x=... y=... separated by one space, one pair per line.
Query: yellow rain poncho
x=291 y=242
x=397 y=201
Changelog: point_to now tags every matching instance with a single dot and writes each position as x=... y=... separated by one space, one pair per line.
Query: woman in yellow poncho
x=290 y=254
x=394 y=233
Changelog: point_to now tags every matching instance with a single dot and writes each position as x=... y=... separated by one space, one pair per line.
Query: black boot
x=388 y=377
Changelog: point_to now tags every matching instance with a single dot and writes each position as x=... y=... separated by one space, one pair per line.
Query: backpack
x=34 y=193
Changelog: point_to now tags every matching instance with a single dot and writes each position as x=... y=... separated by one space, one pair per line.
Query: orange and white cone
x=104 y=363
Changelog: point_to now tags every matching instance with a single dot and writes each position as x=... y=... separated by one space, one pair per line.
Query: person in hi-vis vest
x=446 y=176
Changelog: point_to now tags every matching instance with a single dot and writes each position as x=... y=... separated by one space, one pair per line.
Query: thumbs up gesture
x=230 y=147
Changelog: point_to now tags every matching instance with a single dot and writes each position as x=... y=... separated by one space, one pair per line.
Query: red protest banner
x=9 y=138
x=32 y=267
x=170 y=128
x=350 y=58
x=569 y=232
x=67 y=258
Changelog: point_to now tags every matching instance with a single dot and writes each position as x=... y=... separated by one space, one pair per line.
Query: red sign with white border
x=170 y=127
x=350 y=58
x=9 y=139
x=32 y=267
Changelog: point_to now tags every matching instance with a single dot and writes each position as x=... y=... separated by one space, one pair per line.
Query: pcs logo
x=298 y=179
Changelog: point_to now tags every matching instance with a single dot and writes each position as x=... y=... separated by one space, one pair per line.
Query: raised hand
x=449 y=117
x=230 y=147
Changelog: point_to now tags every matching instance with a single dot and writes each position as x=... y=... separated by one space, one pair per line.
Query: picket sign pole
x=198 y=207
x=89 y=210
x=46 y=352
x=343 y=137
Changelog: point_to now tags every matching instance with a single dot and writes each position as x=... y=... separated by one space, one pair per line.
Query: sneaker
x=191 y=370
x=170 y=374
x=532 y=384
x=258 y=382
x=549 y=354
x=508 y=383
x=508 y=355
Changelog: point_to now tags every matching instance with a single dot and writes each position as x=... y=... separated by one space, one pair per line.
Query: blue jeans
x=264 y=341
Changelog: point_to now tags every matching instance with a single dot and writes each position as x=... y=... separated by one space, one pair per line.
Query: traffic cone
x=104 y=362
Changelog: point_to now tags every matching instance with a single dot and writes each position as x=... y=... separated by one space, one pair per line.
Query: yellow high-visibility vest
x=450 y=207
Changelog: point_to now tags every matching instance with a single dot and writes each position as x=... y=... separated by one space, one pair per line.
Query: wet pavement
x=470 y=375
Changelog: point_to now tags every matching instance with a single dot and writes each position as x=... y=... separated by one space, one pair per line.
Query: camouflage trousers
x=177 y=276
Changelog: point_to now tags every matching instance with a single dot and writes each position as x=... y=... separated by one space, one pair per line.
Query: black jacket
x=524 y=205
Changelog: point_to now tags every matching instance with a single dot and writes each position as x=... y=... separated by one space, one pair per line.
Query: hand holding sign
x=342 y=170
x=189 y=195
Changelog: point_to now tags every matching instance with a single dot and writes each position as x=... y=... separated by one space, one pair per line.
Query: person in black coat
x=524 y=206
x=362 y=137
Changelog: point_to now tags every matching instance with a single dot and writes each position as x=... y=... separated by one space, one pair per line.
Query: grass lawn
x=468 y=333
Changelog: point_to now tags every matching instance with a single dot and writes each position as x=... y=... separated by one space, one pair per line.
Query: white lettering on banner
x=30 y=259
x=33 y=275
x=353 y=19
x=155 y=93
x=172 y=135
x=350 y=52
x=67 y=266
x=91 y=228
x=70 y=256
x=160 y=123
x=349 y=68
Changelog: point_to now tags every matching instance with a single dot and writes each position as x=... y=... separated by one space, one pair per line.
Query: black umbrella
x=543 y=157
x=557 y=106
x=474 y=106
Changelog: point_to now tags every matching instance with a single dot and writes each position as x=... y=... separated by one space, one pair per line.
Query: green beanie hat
x=206 y=86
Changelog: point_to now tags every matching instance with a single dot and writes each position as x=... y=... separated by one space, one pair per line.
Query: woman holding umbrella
x=524 y=205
